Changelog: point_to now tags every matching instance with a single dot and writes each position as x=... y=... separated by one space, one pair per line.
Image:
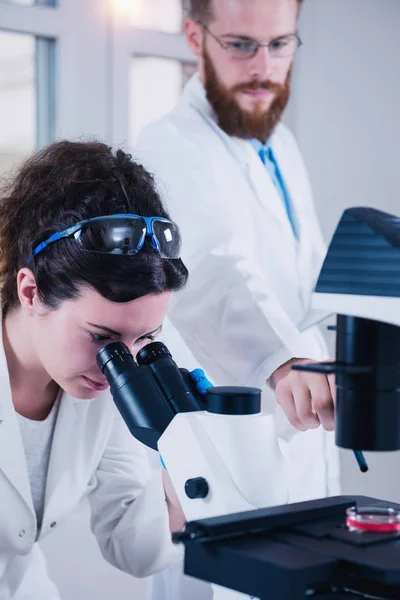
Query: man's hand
x=308 y=399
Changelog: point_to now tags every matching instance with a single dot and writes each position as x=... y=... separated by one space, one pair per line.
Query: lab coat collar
x=66 y=449
x=12 y=453
x=246 y=157
x=4 y=379
x=194 y=94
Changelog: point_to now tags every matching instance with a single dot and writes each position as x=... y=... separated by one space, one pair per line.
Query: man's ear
x=27 y=290
x=194 y=35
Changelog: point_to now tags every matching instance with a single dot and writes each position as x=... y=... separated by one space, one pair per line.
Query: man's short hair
x=201 y=10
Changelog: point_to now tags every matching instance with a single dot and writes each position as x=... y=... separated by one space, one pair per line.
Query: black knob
x=232 y=400
x=196 y=488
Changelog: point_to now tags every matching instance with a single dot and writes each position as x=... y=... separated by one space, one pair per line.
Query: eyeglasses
x=122 y=234
x=244 y=49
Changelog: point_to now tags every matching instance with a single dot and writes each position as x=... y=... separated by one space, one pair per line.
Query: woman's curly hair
x=65 y=183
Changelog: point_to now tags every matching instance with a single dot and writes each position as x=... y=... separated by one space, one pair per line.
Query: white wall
x=347 y=104
x=346 y=116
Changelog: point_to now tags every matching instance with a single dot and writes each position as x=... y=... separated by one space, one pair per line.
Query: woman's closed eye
x=146 y=338
x=149 y=337
x=97 y=338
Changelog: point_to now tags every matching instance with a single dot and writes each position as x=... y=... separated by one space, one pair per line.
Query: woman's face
x=67 y=339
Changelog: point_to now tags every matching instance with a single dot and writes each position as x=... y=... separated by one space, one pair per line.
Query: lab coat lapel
x=290 y=180
x=310 y=246
x=65 y=451
x=12 y=454
x=245 y=157
x=265 y=191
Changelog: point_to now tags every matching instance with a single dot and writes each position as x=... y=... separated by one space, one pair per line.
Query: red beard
x=240 y=123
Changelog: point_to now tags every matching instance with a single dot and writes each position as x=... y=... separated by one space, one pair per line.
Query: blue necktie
x=268 y=159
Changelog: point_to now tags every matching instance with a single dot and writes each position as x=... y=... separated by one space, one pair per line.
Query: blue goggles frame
x=169 y=247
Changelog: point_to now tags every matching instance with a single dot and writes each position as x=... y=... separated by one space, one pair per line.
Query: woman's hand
x=176 y=517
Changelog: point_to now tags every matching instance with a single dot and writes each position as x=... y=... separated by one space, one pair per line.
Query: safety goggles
x=122 y=234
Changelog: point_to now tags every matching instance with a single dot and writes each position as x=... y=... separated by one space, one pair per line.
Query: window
x=22 y=1
x=155 y=88
x=34 y=2
x=92 y=76
x=27 y=118
x=151 y=61
x=158 y=15
x=17 y=98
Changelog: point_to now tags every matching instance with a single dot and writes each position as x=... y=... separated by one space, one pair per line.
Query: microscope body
x=221 y=464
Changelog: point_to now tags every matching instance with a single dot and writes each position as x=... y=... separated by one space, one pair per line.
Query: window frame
x=88 y=100
x=129 y=42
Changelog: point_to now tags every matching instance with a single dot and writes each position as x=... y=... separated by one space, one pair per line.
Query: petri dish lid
x=373 y=518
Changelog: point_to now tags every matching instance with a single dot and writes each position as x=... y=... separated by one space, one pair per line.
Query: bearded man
x=233 y=178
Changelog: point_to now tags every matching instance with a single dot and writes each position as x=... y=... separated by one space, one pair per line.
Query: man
x=234 y=180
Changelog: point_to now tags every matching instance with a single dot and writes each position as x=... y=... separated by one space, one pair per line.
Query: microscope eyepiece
x=114 y=359
x=149 y=392
x=152 y=352
x=115 y=350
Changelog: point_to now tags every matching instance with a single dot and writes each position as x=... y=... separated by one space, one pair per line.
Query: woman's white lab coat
x=93 y=454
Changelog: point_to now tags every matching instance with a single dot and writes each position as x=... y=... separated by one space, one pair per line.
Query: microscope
x=222 y=456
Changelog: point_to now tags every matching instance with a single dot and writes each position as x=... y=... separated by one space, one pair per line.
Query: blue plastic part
x=201 y=381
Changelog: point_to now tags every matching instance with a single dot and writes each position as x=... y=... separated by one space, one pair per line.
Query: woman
x=74 y=277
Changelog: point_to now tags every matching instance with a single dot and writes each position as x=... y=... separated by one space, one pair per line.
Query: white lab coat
x=94 y=455
x=250 y=280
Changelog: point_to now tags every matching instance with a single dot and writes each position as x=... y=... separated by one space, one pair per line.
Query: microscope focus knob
x=233 y=400
x=196 y=488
